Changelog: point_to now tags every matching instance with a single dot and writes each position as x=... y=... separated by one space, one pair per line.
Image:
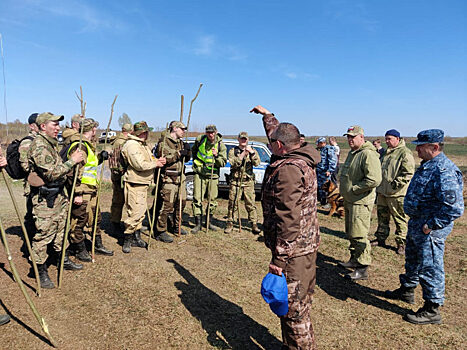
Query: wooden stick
x=181 y=109
x=26 y=237
x=99 y=184
x=209 y=197
x=239 y=196
x=20 y=283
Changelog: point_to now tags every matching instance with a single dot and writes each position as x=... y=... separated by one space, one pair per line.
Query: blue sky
x=322 y=65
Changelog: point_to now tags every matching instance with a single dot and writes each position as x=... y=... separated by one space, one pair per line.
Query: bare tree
x=124 y=119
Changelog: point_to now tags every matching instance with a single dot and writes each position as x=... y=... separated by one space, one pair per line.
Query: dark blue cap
x=429 y=136
x=393 y=132
x=32 y=118
x=275 y=293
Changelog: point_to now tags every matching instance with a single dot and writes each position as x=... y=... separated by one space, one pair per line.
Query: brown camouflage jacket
x=289 y=202
x=237 y=164
x=169 y=148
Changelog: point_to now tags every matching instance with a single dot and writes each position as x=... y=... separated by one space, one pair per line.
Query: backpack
x=13 y=167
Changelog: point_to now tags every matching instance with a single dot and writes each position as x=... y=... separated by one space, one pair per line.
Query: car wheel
x=189 y=187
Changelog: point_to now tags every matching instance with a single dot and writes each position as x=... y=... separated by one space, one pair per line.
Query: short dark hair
x=302 y=135
x=288 y=134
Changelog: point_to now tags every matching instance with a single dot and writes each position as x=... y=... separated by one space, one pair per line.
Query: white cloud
x=205 y=45
x=209 y=46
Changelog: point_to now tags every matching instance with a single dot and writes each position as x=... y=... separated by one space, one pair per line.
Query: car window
x=262 y=154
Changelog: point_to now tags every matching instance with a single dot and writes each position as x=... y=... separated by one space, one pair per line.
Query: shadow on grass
x=226 y=324
x=328 y=231
x=10 y=275
x=330 y=279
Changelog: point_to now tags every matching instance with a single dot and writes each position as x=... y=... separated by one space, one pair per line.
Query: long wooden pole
x=70 y=204
x=20 y=283
x=181 y=107
x=99 y=184
x=26 y=237
x=209 y=197
x=239 y=196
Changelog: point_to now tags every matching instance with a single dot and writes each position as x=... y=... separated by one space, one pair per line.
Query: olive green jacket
x=398 y=167
x=360 y=175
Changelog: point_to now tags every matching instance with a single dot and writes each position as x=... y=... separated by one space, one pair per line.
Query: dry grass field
x=203 y=292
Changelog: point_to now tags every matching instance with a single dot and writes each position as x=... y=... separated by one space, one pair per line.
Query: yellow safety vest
x=204 y=155
x=90 y=168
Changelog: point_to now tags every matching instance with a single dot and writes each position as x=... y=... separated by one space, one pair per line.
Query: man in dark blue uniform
x=433 y=201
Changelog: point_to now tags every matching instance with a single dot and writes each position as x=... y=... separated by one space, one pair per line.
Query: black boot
x=82 y=253
x=164 y=237
x=100 y=249
x=405 y=294
x=211 y=226
x=182 y=231
x=137 y=241
x=4 y=319
x=360 y=273
x=197 y=227
x=127 y=243
x=428 y=314
x=44 y=278
x=68 y=264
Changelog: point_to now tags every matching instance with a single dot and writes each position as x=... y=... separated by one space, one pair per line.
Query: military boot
x=182 y=231
x=349 y=264
x=82 y=253
x=68 y=264
x=127 y=243
x=100 y=249
x=137 y=241
x=360 y=273
x=255 y=229
x=44 y=278
x=428 y=314
x=164 y=237
x=4 y=319
x=211 y=226
x=197 y=227
x=402 y=293
x=229 y=227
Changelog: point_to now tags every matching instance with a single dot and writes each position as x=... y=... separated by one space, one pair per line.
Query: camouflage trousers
x=170 y=205
x=201 y=190
x=50 y=226
x=118 y=199
x=357 y=226
x=235 y=195
x=424 y=260
x=387 y=207
x=135 y=206
x=296 y=325
x=82 y=217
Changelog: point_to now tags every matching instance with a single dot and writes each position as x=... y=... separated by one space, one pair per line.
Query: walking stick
x=157 y=187
x=99 y=184
x=26 y=237
x=239 y=194
x=182 y=172
x=209 y=198
x=181 y=107
x=20 y=283
x=70 y=205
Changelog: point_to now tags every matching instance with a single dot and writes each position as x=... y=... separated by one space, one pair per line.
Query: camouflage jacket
x=169 y=148
x=45 y=161
x=237 y=164
x=289 y=202
x=435 y=193
x=114 y=158
x=397 y=168
x=23 y=157
x=328 y=160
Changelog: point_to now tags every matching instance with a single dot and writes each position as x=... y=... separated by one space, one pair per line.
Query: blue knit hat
x=275 y=293
x=393 y=132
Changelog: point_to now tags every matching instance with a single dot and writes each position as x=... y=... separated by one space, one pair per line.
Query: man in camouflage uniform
x=84 y=201
x=176 y=153
x=74 y=130
x=118 y=199
x=140 y=164
x=47 y=178
x=433 y=201
x=359 y=177
x=325 y=168
x=23 y=149
x=242 y=159
x=208 y=150
x=290 y=224
x=4 y=318
x=397 y=166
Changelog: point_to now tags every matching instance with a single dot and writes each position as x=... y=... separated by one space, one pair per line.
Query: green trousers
x=200 y=191
x=387 y=207
x=357 y=226
x=235 y=196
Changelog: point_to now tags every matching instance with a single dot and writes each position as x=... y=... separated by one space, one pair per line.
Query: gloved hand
x=104 y=155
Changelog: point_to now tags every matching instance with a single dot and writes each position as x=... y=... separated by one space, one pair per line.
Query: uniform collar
x=51 y=140
x=432 y=162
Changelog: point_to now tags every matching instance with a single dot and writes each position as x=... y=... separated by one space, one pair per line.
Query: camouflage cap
x=127 y=127
x=77 y=118
x=211 y=128
x=177 y=124
x=88 y=124
x=354 y=131
x=320 y=139
x=429 y=136
x=242 y=135
x=140 y=127
x=46 y=116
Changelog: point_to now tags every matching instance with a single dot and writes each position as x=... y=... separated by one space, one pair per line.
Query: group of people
x=423 y=203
